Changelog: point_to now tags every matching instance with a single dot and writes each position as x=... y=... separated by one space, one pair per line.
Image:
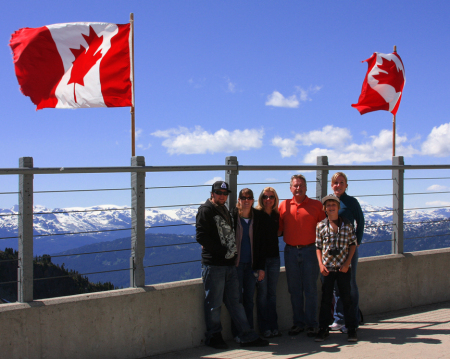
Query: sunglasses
x=245 y=198
x=268 y=197
x=221 y=193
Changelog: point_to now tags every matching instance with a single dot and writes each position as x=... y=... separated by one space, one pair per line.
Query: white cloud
x=438 y=203
x=142 y=147
x=287 y=146
x=211 y=181
x=276 y=99
x=438 y=142
x=340 y=149
x=231 y=87
x=198 y=141
x=137 y=133
x=197 y=83
x=437 y=187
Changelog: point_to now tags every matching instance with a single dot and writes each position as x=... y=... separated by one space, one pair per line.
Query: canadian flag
x=383 y=85
x=74 y=65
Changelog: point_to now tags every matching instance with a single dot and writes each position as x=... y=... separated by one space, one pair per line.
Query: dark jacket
x=351 y=209
x=272 y=248
x=216 y=236
x=260 y=223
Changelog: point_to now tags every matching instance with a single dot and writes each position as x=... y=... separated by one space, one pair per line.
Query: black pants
x=343 y=281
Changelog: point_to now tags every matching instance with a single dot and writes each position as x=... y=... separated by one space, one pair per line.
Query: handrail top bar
x=128 y=169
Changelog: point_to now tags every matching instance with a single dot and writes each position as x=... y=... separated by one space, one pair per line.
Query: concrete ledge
x=139 y=322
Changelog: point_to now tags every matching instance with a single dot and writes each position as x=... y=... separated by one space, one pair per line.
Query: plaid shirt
x=326 y=239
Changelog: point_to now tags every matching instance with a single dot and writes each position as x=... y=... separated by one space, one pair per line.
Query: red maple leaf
x=393 y=77
x=84 y=60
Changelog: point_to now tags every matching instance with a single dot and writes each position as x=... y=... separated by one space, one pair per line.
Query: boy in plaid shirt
x=335 y=246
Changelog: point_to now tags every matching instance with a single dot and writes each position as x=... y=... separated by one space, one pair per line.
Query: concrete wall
x=138 y=322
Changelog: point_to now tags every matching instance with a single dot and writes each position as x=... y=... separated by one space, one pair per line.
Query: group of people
x=240 y=255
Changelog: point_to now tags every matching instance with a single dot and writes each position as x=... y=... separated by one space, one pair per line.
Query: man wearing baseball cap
x=216 y=234
x=335 y=246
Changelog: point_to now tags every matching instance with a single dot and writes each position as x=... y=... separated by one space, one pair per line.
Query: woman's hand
x=261 y=275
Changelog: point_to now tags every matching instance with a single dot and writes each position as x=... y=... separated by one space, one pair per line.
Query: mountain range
x=175 y=227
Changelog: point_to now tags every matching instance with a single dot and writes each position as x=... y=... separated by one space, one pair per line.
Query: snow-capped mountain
x=50 y=223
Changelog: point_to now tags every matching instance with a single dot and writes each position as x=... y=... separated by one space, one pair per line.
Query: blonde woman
x=251 y=233
x=266 y=298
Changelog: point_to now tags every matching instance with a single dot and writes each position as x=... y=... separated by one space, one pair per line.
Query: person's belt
x=301 y=246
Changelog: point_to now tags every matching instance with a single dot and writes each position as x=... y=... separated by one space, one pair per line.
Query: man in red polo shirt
x=298 y=219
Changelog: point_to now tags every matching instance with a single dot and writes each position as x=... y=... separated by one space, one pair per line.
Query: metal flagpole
x=393 y=124
x=133 y=131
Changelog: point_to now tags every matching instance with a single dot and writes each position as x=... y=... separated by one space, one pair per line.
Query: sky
x=271 y=82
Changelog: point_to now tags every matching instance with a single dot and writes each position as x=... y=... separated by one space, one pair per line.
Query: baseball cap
x=220 y=185
x=333 y=197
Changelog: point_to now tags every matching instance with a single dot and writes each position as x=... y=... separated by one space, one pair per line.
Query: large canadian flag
x=383 y=85
x=74 y=65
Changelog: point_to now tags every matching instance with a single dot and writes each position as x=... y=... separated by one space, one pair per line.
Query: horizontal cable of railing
x=84 y=190
x=85 y=211
x=171 y=225
x=13 y=281
x=168 y=264
x=432 y=236
x=8 y=260
x=425 y=178
x=379 y=210
x=81 y=274
x=436 y=221
x=171 y=245
x=175 y=205
x=426 y=193
x=412 y=209
x=10 y=237
x=86 y=232
x=85 y=253
x=379 y=225
x=370 y=242
x=367 y=180
x=9 y=192
x=374 y=195
x=127 y=169
x=9 y=214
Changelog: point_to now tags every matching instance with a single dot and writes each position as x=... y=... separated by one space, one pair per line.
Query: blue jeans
x=247 y=284
x=342 y=280
x=354 y=293
x=221 y=284
x=302 y=271
x=266 y=297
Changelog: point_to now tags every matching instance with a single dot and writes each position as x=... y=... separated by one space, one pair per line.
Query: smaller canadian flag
x=74 y=65
x=382 y=88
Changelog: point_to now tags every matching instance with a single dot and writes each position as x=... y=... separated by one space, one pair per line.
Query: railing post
x=322 y=178
x=137 y=273
x=25 y=264
x=397 y=207
x=231 y=179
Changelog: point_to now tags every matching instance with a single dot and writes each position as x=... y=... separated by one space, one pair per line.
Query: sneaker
x=311 y=332
x=322 y=335
x=268 y=334
x=352 y=337
x=217 y=342
x=276 y=333
x=295 y=330
x=344 y=329
x=336 y=326
x=237 y=339
x=256 y=343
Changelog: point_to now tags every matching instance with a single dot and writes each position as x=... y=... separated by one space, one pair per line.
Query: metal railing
x=138 y=170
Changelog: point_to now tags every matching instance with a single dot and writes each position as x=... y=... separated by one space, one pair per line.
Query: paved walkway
x=421 y=332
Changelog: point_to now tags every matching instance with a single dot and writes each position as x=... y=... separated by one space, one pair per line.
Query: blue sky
x=270 y=82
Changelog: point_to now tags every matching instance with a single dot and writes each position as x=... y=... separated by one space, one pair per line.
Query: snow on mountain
x=85 y=219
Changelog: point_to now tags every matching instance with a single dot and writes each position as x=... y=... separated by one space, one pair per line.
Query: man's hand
x=344 y=268
x=323 y=270
x=261 y=275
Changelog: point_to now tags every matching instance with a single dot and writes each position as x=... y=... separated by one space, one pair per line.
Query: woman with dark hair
x=351 y=210
x=266 y=297
x=251 y=232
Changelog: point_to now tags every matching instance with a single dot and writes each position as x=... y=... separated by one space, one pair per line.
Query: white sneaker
x=344 y=329
x=336 y=326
